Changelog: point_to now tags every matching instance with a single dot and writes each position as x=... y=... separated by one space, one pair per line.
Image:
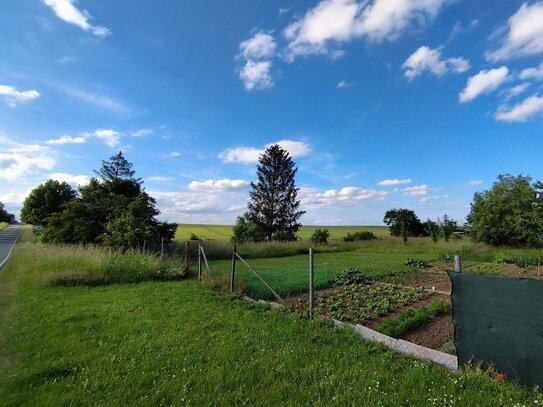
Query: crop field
x=158 y=343
x=224 y=232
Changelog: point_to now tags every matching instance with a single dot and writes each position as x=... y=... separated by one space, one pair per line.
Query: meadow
x=3 y=225
x=162 y=343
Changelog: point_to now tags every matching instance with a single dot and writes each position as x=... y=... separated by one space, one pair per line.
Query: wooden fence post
x=199 y=261
x=233 y=276
x=311 y=282
x=457 y=263
x=162 y=247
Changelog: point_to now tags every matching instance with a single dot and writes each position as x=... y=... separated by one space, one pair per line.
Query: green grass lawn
x=224 y=232
x=180 y=343
x=3 y=225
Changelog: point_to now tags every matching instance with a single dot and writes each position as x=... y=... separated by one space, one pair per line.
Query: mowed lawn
x=224 y=232
x=180 y=343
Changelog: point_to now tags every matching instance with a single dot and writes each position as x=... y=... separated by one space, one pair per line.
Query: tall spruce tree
x=273 y=205
x=117 y=168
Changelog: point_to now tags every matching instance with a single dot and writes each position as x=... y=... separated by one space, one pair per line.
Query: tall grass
x=94 y=265
x=3 y=225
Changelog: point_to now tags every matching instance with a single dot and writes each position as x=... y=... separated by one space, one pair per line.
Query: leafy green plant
x=417 y=263
x=320 y=236
x=349 y=276
x=411 y=319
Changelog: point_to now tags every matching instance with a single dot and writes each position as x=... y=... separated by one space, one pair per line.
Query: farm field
x=224 y=232
x=180 y=343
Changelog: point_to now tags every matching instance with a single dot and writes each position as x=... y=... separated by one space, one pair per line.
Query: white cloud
x=159 y=178
x=260 y=46
x=517 y=90
x=525 y=34
x=474 y=183
x=66 y=11
x=416 y=190
x=250 y=155
x=343 y=84
x=142 y=133
x=432 y=198
x=394 y=182
x=256 y=75
x=93 y=99
x=428 y=59
x=174 y=154
x=218 y=185
x=111 y=137
x=529 y=107
x=12 y=96
x=20 y=160
x=74 y=180
x=346 y=197
x=532 y=73
x=338 y=21
x=68 y=140
x=483 y=82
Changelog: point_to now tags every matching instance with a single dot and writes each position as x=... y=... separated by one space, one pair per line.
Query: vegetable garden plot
x=286 y=281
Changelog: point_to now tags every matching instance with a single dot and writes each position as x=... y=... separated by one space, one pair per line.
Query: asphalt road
x=8 y=238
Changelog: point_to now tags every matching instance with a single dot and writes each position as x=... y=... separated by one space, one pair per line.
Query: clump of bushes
x=416 y=263
x=320 y=236
x=362 y=235
x=350 y=276
x=520 y=261
x=444 y=258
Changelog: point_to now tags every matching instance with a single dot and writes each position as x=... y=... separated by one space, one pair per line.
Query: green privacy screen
x=499 y=321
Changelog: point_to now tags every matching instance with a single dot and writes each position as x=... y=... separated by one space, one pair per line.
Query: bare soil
x=433 y=335
x=431 y=280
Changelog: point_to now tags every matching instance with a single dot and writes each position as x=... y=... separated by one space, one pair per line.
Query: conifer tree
x=273 y=201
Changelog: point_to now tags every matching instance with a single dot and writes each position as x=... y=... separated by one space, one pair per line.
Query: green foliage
x=247 y=231
x=403 y=222
x=359 y=236
x=410 y=319
x=448 y=227
x=46 y=200
x=5 y=216
x=116 y=212
x=510 y=213
x=416 y=263
x=520 y=261
x=349 y=276
x=273 y=204
x=433 y=229
x=320 y=236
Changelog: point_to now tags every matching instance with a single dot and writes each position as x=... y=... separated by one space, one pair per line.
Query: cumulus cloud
x=250 y=155
x=517 y=90
x=256 y=75
x=20 y=160
x=111 y=137
x=416 y=190
x=218 y=185
x=394 y=182
x=432 y=198
x=12 y=96
x=485 y=81
x=343 y=84
x=260 y=46
x=521 y=112
x=174 y=154
x=66 y=11
x=345 y=197
x=74 y=180
x=428 y=59
x=524 y=35
x=332 y=22
x=532 y=73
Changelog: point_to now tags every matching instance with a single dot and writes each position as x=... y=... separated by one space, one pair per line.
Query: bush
x=350 y=276
x=416 y=263
x=362 y=235
x=320 y=236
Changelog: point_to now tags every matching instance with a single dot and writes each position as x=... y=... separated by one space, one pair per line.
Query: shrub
x=362 y=235
x=416 y=263
x=350 y=276
x=320 y=236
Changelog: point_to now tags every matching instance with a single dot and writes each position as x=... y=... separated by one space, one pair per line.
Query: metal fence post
x=162 y=247
x=311 y=282
x=457 y=263
x=199 y=261
x=233 y=276
x=143 y=250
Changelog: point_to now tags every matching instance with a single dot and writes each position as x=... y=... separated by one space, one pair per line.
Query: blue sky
x=383 y=104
